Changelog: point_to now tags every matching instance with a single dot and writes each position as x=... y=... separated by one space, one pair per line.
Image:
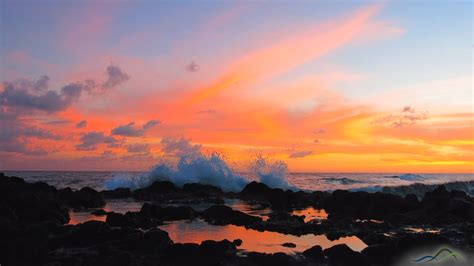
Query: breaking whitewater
x=214 y=170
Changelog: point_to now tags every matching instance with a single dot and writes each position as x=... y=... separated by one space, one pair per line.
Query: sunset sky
x=326 y=86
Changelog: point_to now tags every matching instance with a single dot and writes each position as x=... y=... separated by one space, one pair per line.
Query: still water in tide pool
x=196 y=231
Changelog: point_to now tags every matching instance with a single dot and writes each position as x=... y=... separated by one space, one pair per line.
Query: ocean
x=304 y=181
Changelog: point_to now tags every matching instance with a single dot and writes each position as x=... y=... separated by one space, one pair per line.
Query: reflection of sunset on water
x=81 y=217
x=196 y=231
x=311 y=214
x=269 y=242
x=119 y=206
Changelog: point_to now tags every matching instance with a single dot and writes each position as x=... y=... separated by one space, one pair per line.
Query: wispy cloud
x=82 y=124
x=406 y=117
x=180 y=147
x=130 y=130
x=300 y=154
x=115 y=76
x=91 y=140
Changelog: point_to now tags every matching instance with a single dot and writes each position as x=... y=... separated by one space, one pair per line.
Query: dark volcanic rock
x=279 y=199
x=364 y=205
x=32 y=230
x=208 y=253
x=167 y=213
x=155 y=191
x=284 y=222
x=118 y=193
x=343 y=255
x=202 y=190
x=443 y=207
x=132 y=220
x=387 y=252
x=84 y=198
x=255 y=189
x=221 y=215
x=26 y=203
x=237 y=242
x=379 y=253
x=289 y=245
x=96 y=243
x=286 y=218
x=277 y=259
x=150 y=216
x=436 y=208
x=99 y=212
x=167 y=192
x=316 y=253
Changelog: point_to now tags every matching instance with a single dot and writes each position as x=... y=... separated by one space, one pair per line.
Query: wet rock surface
x=34 y=230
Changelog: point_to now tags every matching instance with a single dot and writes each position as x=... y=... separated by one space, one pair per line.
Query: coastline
x=36 y=216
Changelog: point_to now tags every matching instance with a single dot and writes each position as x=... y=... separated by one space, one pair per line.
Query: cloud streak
x=91 y=140
x=130 y=130
x=82 y=124
x=299 y=154
x=300 y=47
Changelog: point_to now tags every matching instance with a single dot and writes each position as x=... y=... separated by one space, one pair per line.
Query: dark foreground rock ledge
x=33 y=230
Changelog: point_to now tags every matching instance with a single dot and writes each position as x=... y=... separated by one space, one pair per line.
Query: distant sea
x=305 y=181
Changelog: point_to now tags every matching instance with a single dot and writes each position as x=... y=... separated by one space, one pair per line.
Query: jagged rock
x=276 y=259
x=316 y=253
x=84 y=198
x=118 y=193
x=221 y=215
x=132 y=220
x=237 y=242
x=289 y=245
x=343 y=255
x=30 y=203
x=99 y=212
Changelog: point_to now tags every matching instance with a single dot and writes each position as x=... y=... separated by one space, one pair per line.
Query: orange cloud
x=298 y=48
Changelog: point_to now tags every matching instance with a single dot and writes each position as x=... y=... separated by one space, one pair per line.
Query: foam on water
x=408 y=177
x=370 y=182
x=206 y=169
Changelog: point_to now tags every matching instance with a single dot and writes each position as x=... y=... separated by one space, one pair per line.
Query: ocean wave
x=206 y=169
x=419 y=189
x=408 y=177
x=341 y=180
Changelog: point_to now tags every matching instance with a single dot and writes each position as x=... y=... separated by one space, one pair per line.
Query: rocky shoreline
x=34 y=225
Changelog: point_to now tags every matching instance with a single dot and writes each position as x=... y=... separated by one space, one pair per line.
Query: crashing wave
x=341 y=181
x=408 y=177
x=206 y=169
x=419 y=189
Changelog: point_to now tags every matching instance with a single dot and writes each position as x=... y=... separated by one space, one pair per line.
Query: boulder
x=99 y=212
x=118 y=193
x=289 y=245
x=315 y=253
x=341 y=255
x=84 y=198
x=275 y=259
x=221 y=215
x=132 y=220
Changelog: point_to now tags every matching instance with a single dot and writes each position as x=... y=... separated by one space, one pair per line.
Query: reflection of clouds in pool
x=119 y=206
x=197 y=231
x=250 y=209
x=82 y=216
x=311 y=214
